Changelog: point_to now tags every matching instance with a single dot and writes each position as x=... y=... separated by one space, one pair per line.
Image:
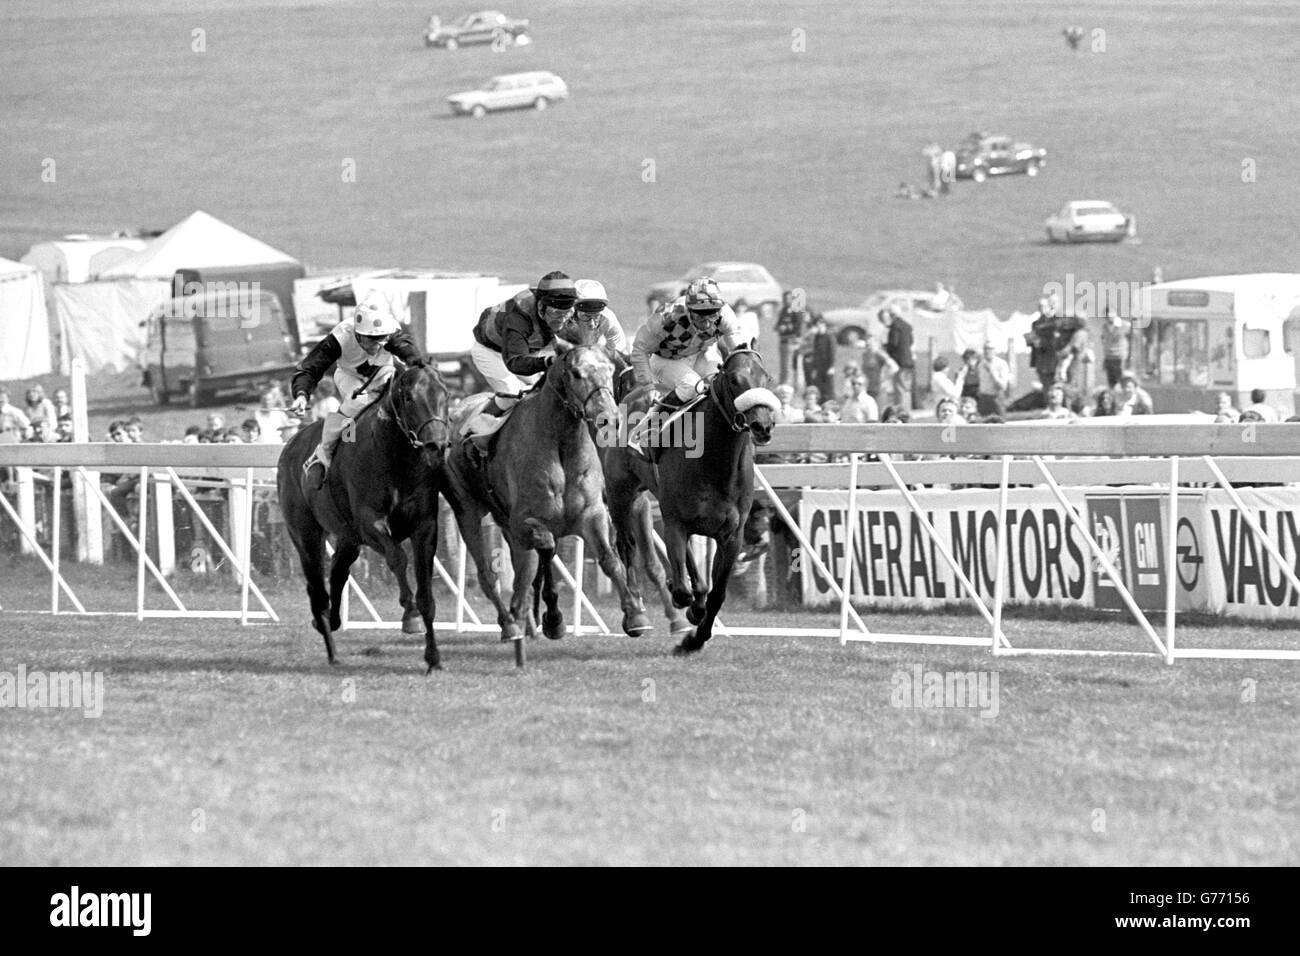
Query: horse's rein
x=579 y=411
x=413 y=434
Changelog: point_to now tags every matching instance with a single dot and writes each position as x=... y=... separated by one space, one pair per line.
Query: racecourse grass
x=610 y=750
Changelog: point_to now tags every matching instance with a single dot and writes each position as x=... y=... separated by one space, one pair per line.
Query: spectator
x=898 y=347
x=1115 y=349
x=40 y=408
x=947 y=412
x=1056 y=408
x=62 y=404
x=830 y=412
x=893 y=415
x=1105 y=406
x=790 y=324
x=134 y=429
x=947 y=172
x=812 y=403
x=1259 y=405
x=216 y=426
x=117 y=431
x=65 y=427
x=968 y=409
x=192 y=435
x=941 y=384
x=968 y=378
x=1075 y=368
x=1225 y=412
x=788 y=413
x=819 y=361
x=1251 y=415
x=859 y=408
x=746 y=322
x=270 y=417
x=41 y=432
x=1133 y=400
x=14 y=422
x=252 y=432
x=874 y=362
x=994 y=382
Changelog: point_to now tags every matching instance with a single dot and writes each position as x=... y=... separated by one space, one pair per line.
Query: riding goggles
x=591 y=308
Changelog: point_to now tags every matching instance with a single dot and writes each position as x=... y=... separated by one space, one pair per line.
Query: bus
x=1220 y=334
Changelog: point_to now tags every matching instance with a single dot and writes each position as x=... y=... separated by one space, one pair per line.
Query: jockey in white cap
x=594 y=321
x=363 y=350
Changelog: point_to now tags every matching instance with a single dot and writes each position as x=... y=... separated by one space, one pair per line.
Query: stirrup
x=311 y=480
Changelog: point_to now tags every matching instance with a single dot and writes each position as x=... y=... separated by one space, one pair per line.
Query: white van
x=1221 y=334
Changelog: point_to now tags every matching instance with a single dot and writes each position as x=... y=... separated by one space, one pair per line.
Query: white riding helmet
x=591 y=295
x=374 y=316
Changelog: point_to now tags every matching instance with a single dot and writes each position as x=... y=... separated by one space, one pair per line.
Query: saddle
x=655 y=431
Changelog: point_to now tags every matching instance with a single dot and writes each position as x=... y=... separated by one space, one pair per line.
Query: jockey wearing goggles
x=362 y=350
x=675 y=346
x=594 y=322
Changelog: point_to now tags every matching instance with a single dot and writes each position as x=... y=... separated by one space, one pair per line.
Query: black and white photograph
x=651 y=434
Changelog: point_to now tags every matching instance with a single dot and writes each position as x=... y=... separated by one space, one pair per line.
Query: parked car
x=1089 y=220
x=486 y=26
x=852 y=325
x=983 y=156
x=736 y=280
x=538 y=90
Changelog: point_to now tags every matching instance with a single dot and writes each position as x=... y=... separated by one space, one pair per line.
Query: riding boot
x=331 y=433
x=659 y=413
x=479 y=432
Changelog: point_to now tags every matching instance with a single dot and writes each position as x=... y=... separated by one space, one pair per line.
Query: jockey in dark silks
x=363 y=350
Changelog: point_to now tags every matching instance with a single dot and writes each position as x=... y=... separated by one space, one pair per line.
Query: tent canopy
x=196 y=241
x=24 y=323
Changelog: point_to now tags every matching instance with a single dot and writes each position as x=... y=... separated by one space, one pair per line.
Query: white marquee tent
x=24 y=323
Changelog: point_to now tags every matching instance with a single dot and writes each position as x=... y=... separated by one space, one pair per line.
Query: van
x=1221 y=334
x=224 y=339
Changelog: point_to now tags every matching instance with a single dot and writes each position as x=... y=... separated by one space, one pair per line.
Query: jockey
x=593 y=319
x=674 y=347
x=362 y=349
x=508 y=342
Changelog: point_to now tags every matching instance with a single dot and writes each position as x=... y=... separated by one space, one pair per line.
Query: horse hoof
x=413 y=625
x=336 y=623
x=553 y=625
x=509 y=633
x=683 y=599
x=688 y=646
x=680 y=629
x=435 y=666
x=634 y=625
x=694 y=614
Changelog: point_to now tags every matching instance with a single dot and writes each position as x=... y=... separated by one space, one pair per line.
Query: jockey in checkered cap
x=363 y=350
x=675 y=346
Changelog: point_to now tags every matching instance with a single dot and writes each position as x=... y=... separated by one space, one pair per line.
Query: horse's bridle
x=412 y=434
x=574 y=409
x=734 y=418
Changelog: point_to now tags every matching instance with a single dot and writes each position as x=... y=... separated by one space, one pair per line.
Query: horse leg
x=654 y=567
x=310 y=545
x=677 y=542
x=544 y=588
x=699 y=589
x=723 y=561
x=424 y=543
x=469 y=519
x=344 y=556
x=525 y=562
x=596 y=530
x=395 y=556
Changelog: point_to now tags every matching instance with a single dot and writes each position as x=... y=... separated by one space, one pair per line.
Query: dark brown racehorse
x=706 y=490
x=543 y=481
x=381 y=489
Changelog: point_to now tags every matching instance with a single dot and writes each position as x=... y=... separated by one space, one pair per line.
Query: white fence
x=1047 y=454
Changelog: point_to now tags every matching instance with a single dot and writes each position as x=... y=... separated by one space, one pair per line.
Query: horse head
x=418 y=403
x=741 y=390
x=583 y=377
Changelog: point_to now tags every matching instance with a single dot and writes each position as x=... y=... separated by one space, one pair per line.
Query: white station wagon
x=537 y=90
x=1090 y=220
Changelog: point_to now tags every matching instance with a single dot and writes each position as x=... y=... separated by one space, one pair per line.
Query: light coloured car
x=1089 y=220
x=536 y=90
x=736 y=280
x=486 y=26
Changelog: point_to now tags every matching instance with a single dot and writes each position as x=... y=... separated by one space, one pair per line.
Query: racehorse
x=381 y=489
x=709 y=493
x=543 y=481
